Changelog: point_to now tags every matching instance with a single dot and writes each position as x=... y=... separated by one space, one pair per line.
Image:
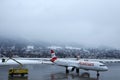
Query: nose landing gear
x=98 y=74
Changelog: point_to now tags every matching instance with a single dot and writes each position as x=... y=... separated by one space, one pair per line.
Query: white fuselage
x=86 y=65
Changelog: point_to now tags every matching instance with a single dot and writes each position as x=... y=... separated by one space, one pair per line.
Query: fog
x=87 y=22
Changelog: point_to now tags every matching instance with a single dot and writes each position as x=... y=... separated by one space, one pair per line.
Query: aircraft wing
x=47 y=62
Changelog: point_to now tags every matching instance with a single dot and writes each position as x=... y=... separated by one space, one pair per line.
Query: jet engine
x=70 y=68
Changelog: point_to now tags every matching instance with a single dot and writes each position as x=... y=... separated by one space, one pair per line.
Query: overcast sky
x=87 y=22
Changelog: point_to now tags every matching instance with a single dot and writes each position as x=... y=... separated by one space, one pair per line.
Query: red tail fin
x=52 y=51
x=53 y=56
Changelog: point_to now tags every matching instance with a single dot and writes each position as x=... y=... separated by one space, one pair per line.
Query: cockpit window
x=102 y=65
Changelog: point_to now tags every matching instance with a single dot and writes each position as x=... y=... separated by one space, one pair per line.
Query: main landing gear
x=98 y=74
x=67 y=71
x=77 y=70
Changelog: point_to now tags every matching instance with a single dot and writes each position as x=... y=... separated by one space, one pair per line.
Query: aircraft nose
x=106 y=68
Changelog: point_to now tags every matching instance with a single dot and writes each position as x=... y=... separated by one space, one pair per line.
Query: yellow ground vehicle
x=18 y=71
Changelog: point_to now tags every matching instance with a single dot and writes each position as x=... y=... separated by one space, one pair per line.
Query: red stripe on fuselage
x=86 y=63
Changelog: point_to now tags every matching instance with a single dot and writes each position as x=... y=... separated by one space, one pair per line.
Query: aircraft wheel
x=22 y=75
x=98 y=74
x=11 y=75
x=67 y=71
x=77 y=71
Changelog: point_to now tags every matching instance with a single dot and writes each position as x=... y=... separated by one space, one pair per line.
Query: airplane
x=70 y=65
